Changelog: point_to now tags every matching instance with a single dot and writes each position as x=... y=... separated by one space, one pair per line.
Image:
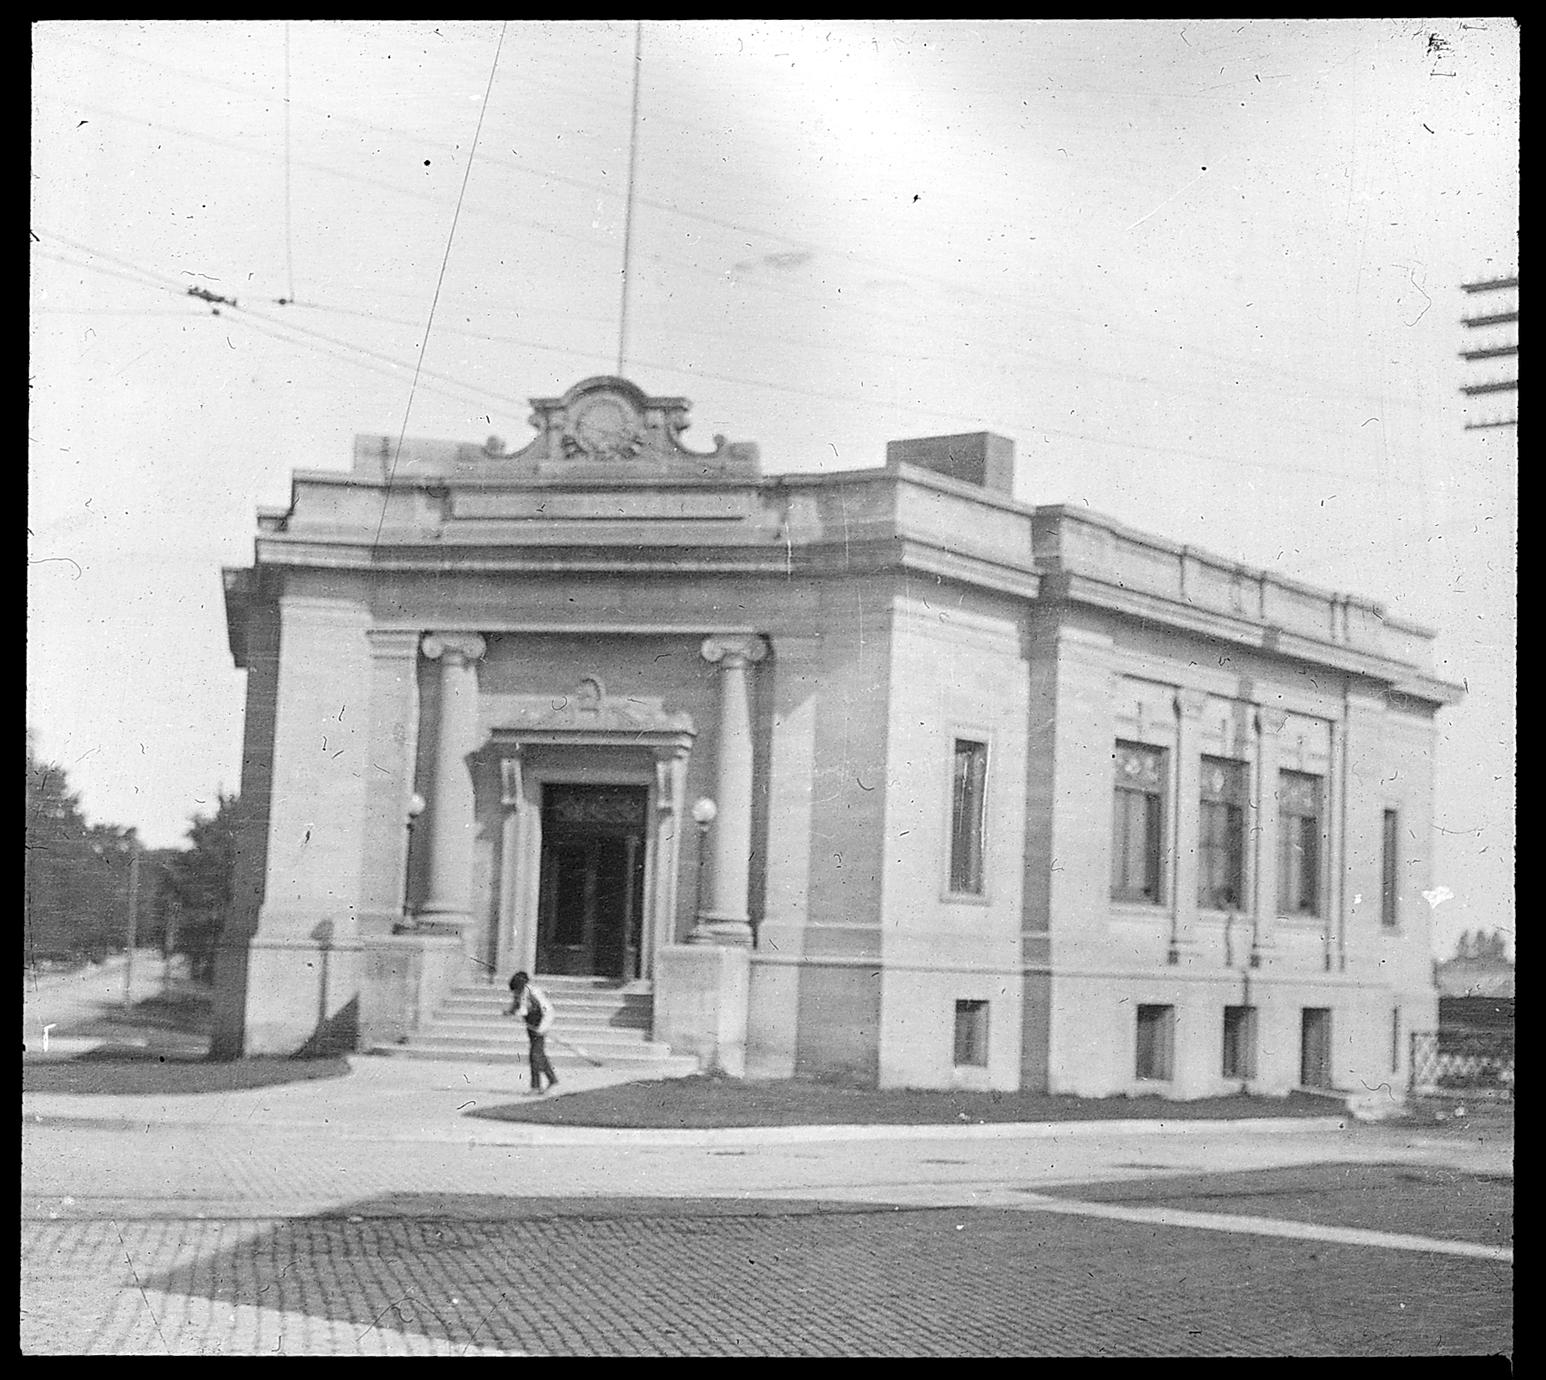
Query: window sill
x=964 y=898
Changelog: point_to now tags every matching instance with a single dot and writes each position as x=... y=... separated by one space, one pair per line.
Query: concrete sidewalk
x=430 y=1100
x=399 y=1099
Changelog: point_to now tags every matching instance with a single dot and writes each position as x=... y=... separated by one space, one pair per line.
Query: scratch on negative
x=143 y=1295
x=379 y=1317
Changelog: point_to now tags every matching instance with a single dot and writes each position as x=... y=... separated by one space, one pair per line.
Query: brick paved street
x=749 y=1278
x=209 y=1239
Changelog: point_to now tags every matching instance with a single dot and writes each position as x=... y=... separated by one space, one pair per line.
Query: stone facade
x=904 y=694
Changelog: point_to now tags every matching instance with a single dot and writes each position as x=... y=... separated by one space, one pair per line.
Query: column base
x=727 y=930
x=702 y=994
x=429 y=919
x=402 y=980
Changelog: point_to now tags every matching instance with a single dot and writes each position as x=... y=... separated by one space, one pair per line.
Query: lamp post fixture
x=703 y=812
x=416 y=807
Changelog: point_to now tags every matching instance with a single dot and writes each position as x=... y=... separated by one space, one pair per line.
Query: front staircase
x=597 y=1023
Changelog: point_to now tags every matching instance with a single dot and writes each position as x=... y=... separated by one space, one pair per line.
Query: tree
x=195 y=884
x=77 y=874
x=1489 y=946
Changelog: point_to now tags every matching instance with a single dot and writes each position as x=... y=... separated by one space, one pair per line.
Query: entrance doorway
x=1315 y=1047
x=591 y=903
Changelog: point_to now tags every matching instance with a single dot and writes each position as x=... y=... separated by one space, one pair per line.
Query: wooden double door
x=591 y=901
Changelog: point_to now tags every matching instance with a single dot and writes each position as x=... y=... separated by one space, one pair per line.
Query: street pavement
x=378 y=1214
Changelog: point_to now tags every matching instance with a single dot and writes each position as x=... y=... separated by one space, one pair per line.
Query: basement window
x=1239 y=1042
x=971 y=1049
x=1156 y=1042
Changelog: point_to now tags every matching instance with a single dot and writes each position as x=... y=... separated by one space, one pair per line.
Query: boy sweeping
x=532 y=1004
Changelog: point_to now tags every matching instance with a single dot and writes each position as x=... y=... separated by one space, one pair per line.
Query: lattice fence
x=1469 y=1061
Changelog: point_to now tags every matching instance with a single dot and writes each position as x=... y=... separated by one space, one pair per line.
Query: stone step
x=567 y=1020
x=665 y=1065
x=578 y=1001
x=514 y=1031
x=561 y=984
x=588 y=1053
x=601 y=1020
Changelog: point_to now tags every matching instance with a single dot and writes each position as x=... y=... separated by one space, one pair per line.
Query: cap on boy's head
x=519 y=980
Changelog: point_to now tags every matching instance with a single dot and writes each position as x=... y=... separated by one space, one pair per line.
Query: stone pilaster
x=1186 y=813
x=725 y=920
x=302 y=963
x=394 y=717
x=1269 y=725
x=447 y=903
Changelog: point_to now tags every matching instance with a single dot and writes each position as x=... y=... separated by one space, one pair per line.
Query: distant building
x=1005 y=796
x=1475 y=993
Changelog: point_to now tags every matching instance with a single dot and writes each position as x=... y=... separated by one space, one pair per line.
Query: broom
x=575 y=1049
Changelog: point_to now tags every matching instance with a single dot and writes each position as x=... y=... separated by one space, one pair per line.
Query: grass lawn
x=703 y=1102
x=120 y=1070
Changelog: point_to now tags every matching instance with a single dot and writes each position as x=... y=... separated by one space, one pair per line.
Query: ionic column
x=451 y=822
x=725 y=920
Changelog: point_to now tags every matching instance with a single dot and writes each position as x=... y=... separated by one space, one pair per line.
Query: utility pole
x=1491 y=358
x=133 y=924
x=169 y=942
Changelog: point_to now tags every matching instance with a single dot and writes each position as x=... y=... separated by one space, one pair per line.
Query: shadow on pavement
x=128 y=1070
x=1413 y=1199
x=693 y=1276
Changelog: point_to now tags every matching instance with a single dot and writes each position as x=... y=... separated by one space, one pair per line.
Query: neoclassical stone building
x=1002 y=796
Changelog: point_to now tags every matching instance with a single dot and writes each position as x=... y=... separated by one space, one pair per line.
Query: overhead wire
x=762 y=284
x=289 y=220
x=1321 y=387
x=878 y=404
x=445 y=259
x=1042 y=360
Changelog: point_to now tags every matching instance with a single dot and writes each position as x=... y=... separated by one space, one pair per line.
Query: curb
x=527 y=1134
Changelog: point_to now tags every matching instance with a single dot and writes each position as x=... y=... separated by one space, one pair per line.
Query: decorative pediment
x=588 y=713
x=608 y=428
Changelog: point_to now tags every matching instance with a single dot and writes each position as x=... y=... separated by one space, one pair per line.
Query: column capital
x=512 y=791
x=734 y=651
x=1271 y=721
x=1191 y=703
x=390 y=642
x=454 y=647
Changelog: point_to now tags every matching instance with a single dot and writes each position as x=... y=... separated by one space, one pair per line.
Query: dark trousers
x=540 y=1066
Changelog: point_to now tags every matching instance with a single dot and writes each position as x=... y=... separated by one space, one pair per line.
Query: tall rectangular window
x=1395 y=1039
x=1390 y=900
x=1156 y=1041
x=1221 y=834
x=1299 y=843
x=968 y=801
x=1138 y=823
x=971 y=1034
x=1239 y=1042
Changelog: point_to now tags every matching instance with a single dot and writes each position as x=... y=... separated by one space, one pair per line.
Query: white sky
x=1206 y=276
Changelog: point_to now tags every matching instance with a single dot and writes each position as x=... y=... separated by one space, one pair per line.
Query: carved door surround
x=585 y=736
